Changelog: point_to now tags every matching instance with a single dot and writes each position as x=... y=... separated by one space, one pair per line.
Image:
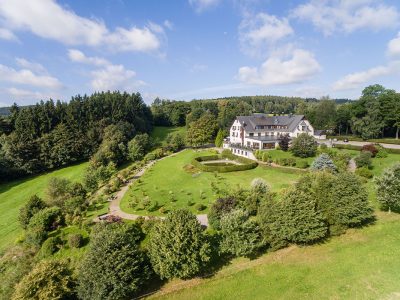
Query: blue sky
x=197 y=48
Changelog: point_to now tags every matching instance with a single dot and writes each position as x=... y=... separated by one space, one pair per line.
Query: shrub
x=286 y=161
x=304 y=146
x=363 y=160
x=388 y=189
x=114 y=267
x=240 y=235
x=49 y=279
x=265 y=157
x=382 y=152
x=153 y=206
x=177 y=246
x=48 y=219
x=75 y=240
x=218 y=209
x=364 y=172
x=322 y=163
x=50 y=246
x=284 y=142
x=226 y=153
x=302 y=164
x=34 y=205
x=370 y=148
x=200 y=207
x=57 y=191
x=35 y=236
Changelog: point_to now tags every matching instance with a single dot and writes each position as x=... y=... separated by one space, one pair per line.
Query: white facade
x=260 y=131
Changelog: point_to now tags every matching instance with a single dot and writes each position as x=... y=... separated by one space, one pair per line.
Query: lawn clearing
x=160 y=133
x=172 y=178
x=361 y=264
x=14 y=194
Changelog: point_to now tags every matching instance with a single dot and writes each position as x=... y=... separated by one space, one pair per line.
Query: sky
x=193 y=49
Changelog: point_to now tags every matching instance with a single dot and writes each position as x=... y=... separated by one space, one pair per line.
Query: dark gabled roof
x=319 y=132
x=250 y=122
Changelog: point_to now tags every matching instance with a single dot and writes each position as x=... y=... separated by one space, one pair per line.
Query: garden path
x=115 y=208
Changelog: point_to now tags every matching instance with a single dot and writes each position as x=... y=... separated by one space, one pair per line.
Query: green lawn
x=171 y=176
x=362 y=264
x=159 y=133
x=14 y=194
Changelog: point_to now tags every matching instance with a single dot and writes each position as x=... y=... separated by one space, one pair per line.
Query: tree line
x=376 y=114
x=53 y=134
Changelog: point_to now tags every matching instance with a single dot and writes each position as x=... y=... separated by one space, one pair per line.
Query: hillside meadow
x=360 y=264
x=14 y=194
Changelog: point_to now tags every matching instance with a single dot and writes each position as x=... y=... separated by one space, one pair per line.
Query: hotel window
x=251 y=134
x=259 y=134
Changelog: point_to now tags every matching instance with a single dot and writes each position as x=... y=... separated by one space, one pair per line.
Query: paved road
x=357 y=143
x=115 y=208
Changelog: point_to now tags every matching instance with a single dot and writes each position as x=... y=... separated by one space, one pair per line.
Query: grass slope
x=160 y=133
x=169 y=175
x=14 y=194
x=362 y=264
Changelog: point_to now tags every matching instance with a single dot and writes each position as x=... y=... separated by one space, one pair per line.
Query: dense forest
x=53 y=134
x=50 y=135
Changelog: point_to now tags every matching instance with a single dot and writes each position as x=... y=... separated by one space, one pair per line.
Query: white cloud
x=198 y=68
x=393 y=48
x=21 y=94
x=355 y=80
x=262 y=29
x=78 y=56
x=111 y=77
x=27 y=77
x=347 y=16
x=202 y=5
x=107 y=76
x=168 y=24
x=30 y=65
x=48 y=19
x=7 y=34
x=134 y=39
x=277 y=70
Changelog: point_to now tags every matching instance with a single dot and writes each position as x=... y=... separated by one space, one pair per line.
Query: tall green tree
x=240 y=234
x=220 y=138
x=177 y=246
x=304 y=146
x=49 y=279
x=114 y=267
x=202 y=131
x=388 y=189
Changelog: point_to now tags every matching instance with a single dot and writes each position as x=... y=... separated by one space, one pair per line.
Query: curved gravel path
x=115 y=208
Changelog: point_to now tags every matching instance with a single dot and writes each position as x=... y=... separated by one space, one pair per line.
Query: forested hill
x=4 y=111
x=52 y=134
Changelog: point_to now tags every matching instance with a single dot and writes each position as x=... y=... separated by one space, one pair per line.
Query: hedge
x=348 y=147
x=247 y=164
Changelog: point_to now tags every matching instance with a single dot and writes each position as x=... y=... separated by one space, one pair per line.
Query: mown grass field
x=14 y=194
x=160 y=133
x=172 y=176
x=361 y=264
